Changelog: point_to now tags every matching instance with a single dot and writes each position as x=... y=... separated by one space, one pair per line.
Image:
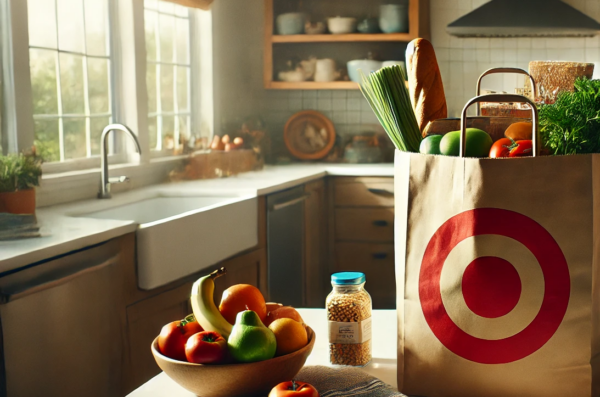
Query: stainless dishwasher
x=61 y=327
x=285 y=246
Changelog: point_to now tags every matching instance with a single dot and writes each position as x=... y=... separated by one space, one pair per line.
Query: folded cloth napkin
x=337 y=382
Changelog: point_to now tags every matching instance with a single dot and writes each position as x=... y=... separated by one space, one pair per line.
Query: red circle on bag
x=494 y=221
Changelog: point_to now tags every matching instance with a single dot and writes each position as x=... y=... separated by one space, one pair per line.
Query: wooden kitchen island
x=383 y=366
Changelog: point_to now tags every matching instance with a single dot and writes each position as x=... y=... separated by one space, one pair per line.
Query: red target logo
x=491 y=286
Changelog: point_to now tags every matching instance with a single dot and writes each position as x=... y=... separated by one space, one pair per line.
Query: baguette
x=425 y=83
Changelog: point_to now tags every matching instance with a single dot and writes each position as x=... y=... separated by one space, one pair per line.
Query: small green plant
x=20 y=171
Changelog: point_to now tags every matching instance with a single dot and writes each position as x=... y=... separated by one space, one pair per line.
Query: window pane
x=184 y=126
x=152 y=4
x=166 y=87
x=43 y=81
x=42 y=23
x=97 y=124
x=165 y=6
x=96 y=21
x=74 y=135
x=182 y=89
x=150 y=26
x=151 y=87
x=98 y=85
x=47 y=139
x=168 y=128
x=165 y=26
x=152 y=131
x=181 y=11
x=71 y=83
x=70 y=25
x=182 y=37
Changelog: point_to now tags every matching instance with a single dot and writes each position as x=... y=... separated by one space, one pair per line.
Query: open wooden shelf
x=330 y=38
x=284 y=47
x=312 y=85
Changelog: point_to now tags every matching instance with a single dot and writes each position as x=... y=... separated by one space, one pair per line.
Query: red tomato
x=294 y=389
x=173 y=336
x=522 y=148
x=206 y=347
x=501 y=148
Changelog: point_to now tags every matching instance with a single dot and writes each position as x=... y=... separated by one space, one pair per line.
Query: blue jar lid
x=348 y=278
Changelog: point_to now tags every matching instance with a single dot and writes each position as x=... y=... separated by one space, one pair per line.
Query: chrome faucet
x=105 y=181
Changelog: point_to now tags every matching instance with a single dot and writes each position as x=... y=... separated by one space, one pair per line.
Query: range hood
x=525 y=18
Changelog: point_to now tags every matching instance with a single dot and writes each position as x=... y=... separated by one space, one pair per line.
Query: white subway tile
x=469 y=55
x=510 y=55
x=538 y=43
x=483 y=55
x=496 y=42
x=456 y=55
x=470 y=42
x=497 y=56
x=483 y=43
x=523 y=55
x=442 y=54
x=524 y=42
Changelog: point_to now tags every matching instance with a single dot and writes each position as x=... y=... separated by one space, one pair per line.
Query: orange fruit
x=242 y=297
x=290 y=335
x=283 y=312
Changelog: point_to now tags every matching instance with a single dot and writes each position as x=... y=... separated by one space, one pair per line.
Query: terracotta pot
x=19 y=202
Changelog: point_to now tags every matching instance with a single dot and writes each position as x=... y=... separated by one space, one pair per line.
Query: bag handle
x=504 y=70
x=500 y=98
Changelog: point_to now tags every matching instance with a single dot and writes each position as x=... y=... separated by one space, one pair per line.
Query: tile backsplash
x=463 y=60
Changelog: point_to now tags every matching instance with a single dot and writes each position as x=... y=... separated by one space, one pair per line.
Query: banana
x=206 y=312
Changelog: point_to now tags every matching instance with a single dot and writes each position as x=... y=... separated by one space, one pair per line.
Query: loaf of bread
x=425 y=83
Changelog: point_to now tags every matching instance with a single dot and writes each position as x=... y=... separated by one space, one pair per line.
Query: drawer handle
x=380 y=223
x=381 y=192
x=380 y=255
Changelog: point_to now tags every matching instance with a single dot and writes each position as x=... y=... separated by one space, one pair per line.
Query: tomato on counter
x=294 y=389
x=173 y=337
x=206 y=347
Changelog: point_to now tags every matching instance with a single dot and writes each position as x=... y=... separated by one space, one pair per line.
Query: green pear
x=250 y=340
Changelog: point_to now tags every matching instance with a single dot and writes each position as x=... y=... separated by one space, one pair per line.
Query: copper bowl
x=235 y=380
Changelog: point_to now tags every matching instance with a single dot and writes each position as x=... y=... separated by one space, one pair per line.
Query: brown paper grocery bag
x=496 y=273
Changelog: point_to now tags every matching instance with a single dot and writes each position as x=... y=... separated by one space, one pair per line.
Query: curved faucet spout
x=105 y=181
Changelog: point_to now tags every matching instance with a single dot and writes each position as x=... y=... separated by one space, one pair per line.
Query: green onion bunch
x=388 y=97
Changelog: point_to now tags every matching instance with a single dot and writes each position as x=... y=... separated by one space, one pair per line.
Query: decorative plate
x=309 y=135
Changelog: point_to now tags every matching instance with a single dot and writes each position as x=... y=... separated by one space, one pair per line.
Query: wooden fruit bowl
x=235 y=380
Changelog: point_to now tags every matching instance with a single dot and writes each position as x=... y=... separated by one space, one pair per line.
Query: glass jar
x=349 y=315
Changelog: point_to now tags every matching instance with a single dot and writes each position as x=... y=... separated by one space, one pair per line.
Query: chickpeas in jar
x=349 y=316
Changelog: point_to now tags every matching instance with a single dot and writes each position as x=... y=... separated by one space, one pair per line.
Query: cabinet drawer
x=365 y=224
x=364 y=192
x=376 y=261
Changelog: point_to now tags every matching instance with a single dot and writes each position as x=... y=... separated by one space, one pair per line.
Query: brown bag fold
x=425 y=83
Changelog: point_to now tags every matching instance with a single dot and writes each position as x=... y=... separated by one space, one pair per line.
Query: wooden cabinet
x=144 y=322
x=341 y=47
x=362 y=215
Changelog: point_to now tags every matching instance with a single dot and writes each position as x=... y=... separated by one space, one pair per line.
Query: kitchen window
x=70 y=68
x=168 y=73
x=146 y=64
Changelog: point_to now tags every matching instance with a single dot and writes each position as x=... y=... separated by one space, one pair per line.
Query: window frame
x=127 y=85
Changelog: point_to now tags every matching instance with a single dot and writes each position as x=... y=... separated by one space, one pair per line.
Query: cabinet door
x=144 y=322
x=61 y=326
x=376 y=261
x=316 y=271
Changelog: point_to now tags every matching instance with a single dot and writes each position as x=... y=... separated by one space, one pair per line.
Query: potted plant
x=19 y=174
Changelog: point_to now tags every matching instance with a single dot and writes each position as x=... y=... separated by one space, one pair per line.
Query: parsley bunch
x=572 y=124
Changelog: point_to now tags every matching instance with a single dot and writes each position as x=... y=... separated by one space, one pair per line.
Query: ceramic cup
x=366 y=65
x=291 y=23
x=340 y=25
x=369 y=25
x=393 y=18
x=325 y=70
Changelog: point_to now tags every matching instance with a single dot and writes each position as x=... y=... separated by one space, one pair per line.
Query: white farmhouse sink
x=180 y=235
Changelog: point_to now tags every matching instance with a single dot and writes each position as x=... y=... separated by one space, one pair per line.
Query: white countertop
x=383 y=366
x=63 y=233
